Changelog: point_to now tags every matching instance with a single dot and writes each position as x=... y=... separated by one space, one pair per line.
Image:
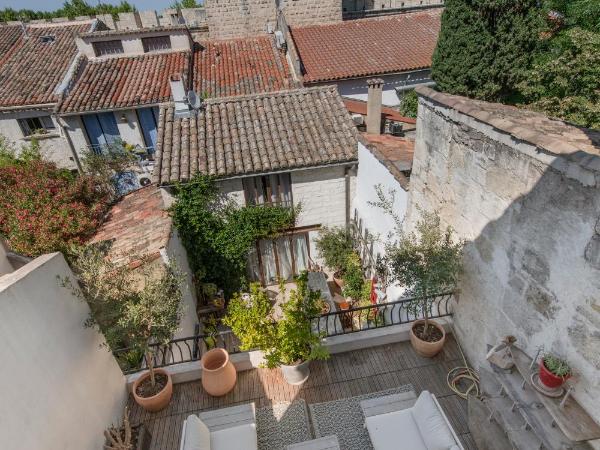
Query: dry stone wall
x=532 y=225
x=310 y=12
x=239 y=18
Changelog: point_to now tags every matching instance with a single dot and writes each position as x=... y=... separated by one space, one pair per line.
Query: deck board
x=343 y=375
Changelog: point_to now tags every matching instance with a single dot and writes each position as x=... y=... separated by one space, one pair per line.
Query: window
x=47 y=39
x=101 y=129
x=268 y=189
x=148 y=118
x=36 y=125
x=108 y=47
x=284 y=257
x=156 y=43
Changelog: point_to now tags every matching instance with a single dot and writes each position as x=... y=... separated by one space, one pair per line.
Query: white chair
x=231 y=428
x=403 y=422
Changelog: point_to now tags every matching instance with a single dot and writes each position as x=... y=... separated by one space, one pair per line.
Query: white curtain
x=284 y=251
x=301 y=252
x=267 y=255
x=253 y=266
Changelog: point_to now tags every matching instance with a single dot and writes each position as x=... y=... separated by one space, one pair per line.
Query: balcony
x=345 y=375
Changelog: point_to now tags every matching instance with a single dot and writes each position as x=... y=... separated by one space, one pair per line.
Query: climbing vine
x=218 y=233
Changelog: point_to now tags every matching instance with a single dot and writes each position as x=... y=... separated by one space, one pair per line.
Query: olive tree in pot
x=135 y=309
x=334 y=246
x=427 y=262
x=289 y=342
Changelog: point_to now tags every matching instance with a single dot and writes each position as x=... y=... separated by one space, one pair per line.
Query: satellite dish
x=193 y=100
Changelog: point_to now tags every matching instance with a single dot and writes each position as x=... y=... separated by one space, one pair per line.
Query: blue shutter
x=149 y=130
x=109 y=127
x=94 y=132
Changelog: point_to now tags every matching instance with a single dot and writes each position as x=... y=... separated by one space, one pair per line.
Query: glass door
x=101 y=129
x=148 y=118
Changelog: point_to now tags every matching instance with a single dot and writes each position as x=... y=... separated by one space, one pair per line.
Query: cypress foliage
x=486 y=47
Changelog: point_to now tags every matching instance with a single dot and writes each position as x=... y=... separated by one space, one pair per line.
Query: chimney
x=179 y=96
x=375 y=87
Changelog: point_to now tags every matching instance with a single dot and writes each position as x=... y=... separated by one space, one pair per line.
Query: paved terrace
x=343 y=375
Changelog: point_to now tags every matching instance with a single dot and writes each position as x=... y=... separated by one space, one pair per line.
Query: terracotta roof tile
x=9 y=35
x=359 y=48
x=124 y=82
x=31 y=70
x=360 y=107
x=138 y=225
x=395 y=153
x=224 y=68
x=256 y=134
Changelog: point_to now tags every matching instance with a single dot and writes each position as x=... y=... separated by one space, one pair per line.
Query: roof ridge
x=281 y=93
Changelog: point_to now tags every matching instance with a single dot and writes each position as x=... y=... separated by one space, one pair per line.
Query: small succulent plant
x=557 y=366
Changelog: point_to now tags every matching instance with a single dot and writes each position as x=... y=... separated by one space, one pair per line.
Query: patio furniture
x=404 y=422
x=231 y=428
x=324 y=443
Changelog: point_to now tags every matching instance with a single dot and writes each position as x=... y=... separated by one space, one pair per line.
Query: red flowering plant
x=44 y=208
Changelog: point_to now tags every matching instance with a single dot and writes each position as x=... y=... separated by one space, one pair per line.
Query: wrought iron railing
x=178 y=351
x=331 y=324
x=379 y=315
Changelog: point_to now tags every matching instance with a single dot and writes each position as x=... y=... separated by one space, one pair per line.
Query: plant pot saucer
x=549 y=392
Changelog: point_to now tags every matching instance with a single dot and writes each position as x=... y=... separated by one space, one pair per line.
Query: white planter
x=297 y=374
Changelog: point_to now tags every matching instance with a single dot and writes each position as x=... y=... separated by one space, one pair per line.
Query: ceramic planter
x=158 y=401
x=296 y=375
x=550 y=380
x=218 y=372
x=424 y=348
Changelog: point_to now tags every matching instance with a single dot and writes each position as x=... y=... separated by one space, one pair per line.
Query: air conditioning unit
x=396 y=129
x=358 y=119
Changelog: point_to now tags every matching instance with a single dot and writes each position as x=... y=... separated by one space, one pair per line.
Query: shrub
x=409 y=104
x=44 y=208
x=287 y=341
x=334 y=246
x=353 y=277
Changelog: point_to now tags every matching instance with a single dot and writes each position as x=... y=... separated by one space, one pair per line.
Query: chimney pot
x=374 y=100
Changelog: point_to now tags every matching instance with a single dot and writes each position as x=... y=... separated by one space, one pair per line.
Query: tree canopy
x=71 y=9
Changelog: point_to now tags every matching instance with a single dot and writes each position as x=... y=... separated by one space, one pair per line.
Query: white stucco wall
x=53 y=146
x=129 y=127
x=357 y=88
x=189 y=318
x=60 y=388
x=371 y=172
x=5 y=265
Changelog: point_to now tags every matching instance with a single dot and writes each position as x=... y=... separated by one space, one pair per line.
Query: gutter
x=369 y=75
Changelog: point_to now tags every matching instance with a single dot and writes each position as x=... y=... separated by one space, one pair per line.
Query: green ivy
x=218 y=234
x=409 y=104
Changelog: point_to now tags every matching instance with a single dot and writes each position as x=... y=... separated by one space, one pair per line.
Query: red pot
x=550 y=380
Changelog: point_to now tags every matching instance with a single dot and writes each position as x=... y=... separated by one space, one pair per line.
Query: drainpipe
x=348 y=170
x=63 y=126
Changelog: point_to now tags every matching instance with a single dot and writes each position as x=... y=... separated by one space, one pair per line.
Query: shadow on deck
x=343 y=375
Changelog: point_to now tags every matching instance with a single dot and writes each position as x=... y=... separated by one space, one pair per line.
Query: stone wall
x=532 y=224
x=239 y=18
x=310 y=12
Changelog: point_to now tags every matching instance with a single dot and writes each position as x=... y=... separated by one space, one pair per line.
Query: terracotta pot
x=158 y=401
x=550 y=380
x=296 y=375
x=424 y=348
x=218 y=372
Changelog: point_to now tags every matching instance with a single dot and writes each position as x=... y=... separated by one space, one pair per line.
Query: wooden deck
x=343 y=375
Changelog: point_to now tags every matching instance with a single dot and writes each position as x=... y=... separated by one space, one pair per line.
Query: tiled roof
x=32 y=69
x=138 y=225
x=135 y=31
x=360 y=107
x=359 y=48
x=125 y=82
x=553 y=136
x=395 y=153
x=9 y=35
x=224 y=68
x=256 y=134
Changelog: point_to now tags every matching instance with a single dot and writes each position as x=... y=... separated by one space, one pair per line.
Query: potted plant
x=288 y=343
x=334 y=245
x=427 y=262
x=127 y=437
x=135 y=309
x=553 y=371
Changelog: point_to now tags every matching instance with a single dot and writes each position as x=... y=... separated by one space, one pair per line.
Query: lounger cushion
x=432 y=425
x=242 y=437
x=395 y=430
x=196 y=435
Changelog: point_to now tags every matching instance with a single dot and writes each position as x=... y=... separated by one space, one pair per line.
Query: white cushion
x=395 y=430
x=196 y=435
x=432 y=425
x=242 y=437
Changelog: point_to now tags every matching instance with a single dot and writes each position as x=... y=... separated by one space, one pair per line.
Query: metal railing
x=327 y=325
x=178 y=351
x=362 y=14
x=379 y=315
